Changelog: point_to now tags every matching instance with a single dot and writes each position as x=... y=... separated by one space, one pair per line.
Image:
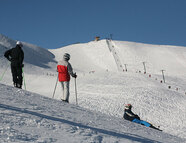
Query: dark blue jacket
x=129 y=115
x=15 y=56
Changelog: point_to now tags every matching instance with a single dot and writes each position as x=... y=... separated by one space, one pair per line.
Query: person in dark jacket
x=129 y=115
x=16 y=57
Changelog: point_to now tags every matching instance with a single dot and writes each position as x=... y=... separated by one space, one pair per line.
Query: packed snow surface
x=29 y=117
x=103 y=87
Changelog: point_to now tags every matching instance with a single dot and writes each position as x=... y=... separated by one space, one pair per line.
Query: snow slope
x=103 y=89
x=35 y=57
x=92 y=56
x=28 y=117
x=172 y=59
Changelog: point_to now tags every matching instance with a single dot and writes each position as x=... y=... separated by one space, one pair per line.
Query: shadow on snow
x=106 y=132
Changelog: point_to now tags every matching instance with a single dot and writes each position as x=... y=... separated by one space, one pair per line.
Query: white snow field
x=103 y=87
x=29 y=117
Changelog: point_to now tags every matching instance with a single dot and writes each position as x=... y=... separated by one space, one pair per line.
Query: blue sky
x=56 y=23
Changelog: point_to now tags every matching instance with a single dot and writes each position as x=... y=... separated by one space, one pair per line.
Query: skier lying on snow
x=129 y=115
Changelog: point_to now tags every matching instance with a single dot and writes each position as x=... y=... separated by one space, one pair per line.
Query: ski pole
x=55 y=87
x=4 y=73
x=76 y=92
x=24 y=79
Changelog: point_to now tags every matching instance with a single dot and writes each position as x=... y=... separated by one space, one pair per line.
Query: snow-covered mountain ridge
x=172 y=59
x=97 y=55
x=101 y=88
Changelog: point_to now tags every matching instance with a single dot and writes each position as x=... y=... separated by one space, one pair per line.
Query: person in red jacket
x=65 y=70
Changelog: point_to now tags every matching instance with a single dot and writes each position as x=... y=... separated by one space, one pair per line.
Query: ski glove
x=74 y=75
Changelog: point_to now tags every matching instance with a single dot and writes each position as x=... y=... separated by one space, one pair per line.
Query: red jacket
x=63 y=73
x=64 y=70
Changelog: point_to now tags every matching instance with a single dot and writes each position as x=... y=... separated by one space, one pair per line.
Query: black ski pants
x=17 y=74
